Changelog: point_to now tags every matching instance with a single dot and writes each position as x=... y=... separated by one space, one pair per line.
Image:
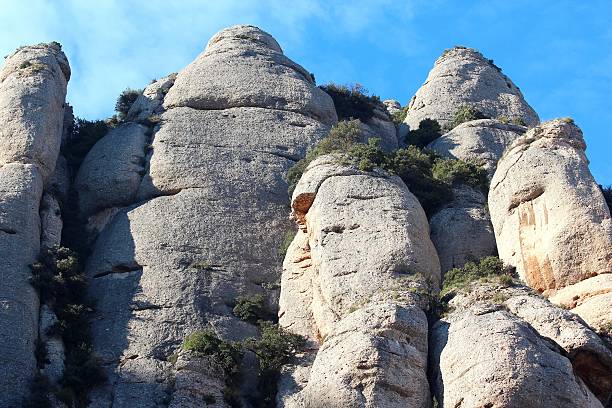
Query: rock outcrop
x=208 y=218
x=480 y=141
x=461 y=231
x=351 y=284
x=32 y=92
x=550 y=218
x=505 y=347
x=462 y=76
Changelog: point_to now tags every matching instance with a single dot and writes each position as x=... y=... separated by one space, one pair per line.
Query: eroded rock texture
x=505 y=347
x=461 y=231
x=32 y=92
x=349 y=285
x=206 y=221
x=463 y=76
x=480 y=141
x=550 y=218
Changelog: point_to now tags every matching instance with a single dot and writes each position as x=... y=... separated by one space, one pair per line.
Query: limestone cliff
x=182 y=211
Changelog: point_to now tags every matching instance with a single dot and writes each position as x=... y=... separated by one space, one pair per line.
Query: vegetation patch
x=428 y=176
x=352 y=102
x=84 y=134
x=399 y=116
x=287 y=240
x=428 y=131
x=464 y=113
x=125 y=101
x=251 y=308
x=227 y=354
x=488 y=269
x=61 y=284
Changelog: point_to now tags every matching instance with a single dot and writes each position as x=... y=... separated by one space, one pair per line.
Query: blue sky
x=558 y=52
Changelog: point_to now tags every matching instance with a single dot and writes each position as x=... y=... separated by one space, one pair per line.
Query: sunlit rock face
x=462 y=76
x=200 y=213
x=32 y=92
x=551 y=220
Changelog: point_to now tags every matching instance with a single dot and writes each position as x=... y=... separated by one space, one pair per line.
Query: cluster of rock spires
x=186 y=212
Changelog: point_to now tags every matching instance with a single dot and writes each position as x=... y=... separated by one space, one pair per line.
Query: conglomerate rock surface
x=551 y=220
x=348 y=285
x=32 y=92
x=208 y=217
x=462 y=76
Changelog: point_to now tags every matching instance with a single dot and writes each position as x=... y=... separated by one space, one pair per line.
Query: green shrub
x=399 y=116
x=83 y=136
x=486 y=269
x=125 y=101
x=340 y=138
x=465 y=113
x=275 y=347
x=452 y=171
x=205 y=342
x=61 y=283
x=605 y=329
x=518 y=121
x=251 y=308
x=428 y=131
x=366 y=156
x=414 y=167
x=352 y=102
x=209 y=399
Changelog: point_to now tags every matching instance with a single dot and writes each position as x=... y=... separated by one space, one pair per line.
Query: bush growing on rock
x=61 y=284
x=205 y=342
x=451 y=171
x=490 y=268
x=352 y=102
x=464 y=113
x=125 y=101
x=84 y=134
x=250 y=308
x=428 y=131
x=399 y=116
x=340 y=138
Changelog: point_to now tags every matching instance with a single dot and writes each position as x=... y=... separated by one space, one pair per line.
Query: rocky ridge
x=184 y=208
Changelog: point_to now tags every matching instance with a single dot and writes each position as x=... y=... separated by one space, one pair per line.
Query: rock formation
x=351 y=287
x=206 y=221
x=480 y=141
x=462 y=76
x=182 y=211
x=32 y=92
x=550 y=218
x=465 y=217
x=503 y=346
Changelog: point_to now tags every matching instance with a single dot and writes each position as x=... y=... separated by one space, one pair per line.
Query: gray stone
x=462 y=76
x=462 y=231
x=54 y=369
x=112 y=170
x=351 y=287
x=209 y=218
x=549 y=215
x=21 y=188
x=150 y=102
x=51 y=222
x=243 y=66
x=480 y=141
x=32 y=92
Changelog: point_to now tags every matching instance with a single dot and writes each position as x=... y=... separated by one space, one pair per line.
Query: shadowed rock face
x=463 y=76
x=206 y=221
x=349 y=284
x=32 y=91
x=550 y=218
